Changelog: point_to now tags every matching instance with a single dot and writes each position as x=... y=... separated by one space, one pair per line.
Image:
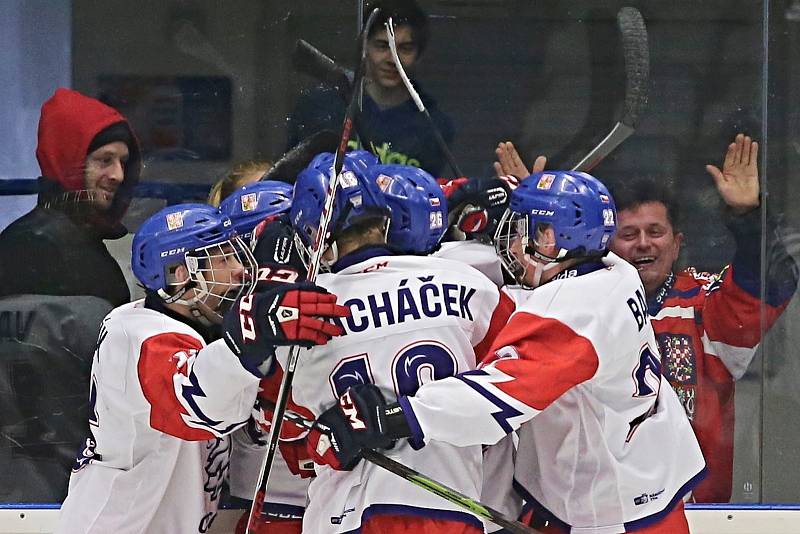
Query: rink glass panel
x=208 y=84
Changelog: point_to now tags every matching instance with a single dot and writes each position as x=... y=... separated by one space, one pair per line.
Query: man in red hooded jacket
x=90 y=162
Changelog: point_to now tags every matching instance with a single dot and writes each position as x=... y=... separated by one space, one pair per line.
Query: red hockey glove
x=287 y=314
x=475 y=205
x=297 y=457
x=361 y=419
x=292 y=442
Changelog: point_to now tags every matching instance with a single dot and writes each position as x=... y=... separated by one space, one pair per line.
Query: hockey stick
x=637 y=73
x=295 y=160
x=307 y=59
x=469 y=504
x=313 y=268
x=418 y=101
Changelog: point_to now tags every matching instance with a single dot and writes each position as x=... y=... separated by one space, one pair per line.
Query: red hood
x=67 y=125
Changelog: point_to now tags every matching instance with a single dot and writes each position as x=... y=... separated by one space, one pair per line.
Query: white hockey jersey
x=604 y=445
x=162 y=402
x=413 y=320
x=479 y=255
x=287 y=493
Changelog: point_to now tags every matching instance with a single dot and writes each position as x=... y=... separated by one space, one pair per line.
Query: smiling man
x=90 y=163
x=708 y=326
x=394 y=129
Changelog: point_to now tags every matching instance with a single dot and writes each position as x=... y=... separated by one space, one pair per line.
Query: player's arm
x=194 y=392
x=501 y=313
x=528 y=371
x=198 y=392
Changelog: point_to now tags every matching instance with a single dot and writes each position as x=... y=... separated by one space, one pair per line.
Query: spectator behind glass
x=242 y=174
x=396 y=131
x=90 y=163
x=708 y=326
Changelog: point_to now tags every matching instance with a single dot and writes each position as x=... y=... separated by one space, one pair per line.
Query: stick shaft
x=635 y=49
x=469 y=504
x=316 y=254
x=451 y=160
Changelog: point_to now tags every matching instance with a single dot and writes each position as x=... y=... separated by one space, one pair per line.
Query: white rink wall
x=714 y=520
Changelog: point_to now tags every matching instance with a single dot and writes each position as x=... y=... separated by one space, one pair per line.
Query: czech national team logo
x=383 y=182
x=546 y=181
x=175 y=220
x=249 y=202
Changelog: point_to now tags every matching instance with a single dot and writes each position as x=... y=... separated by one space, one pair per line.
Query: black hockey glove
x=287 y=314
x=475 y=206
x=361 y=419
x=276 y=253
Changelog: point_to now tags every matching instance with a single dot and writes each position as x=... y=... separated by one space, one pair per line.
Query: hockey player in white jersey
x=413 y=319
x=604 y=446
x=163 y=395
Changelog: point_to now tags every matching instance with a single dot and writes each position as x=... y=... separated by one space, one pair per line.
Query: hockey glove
x=475 y=205
x=292 y=442
x=275 y=251
x=287 y=314
x=361 y=419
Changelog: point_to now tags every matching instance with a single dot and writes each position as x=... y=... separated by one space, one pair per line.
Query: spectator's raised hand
x=737 y=182
x=509 y=162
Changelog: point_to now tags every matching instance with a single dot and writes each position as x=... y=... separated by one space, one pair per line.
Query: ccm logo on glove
x=351 y=412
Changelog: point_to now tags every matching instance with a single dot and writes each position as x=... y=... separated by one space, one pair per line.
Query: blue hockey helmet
x=356 y=198
x=201 y=239
x=576 y=205
x=417 y=204
x=252 y=203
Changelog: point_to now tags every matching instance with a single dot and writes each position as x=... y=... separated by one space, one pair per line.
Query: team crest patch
x=677 y=354
x=604 y=199
x=383 y=182
x=175 y=220
x=546 y=181
x=249 y=202
x=347 y=179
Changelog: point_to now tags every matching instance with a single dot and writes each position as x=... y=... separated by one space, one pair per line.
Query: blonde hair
x=241 y=175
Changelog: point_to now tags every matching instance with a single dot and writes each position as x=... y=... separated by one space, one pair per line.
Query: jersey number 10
x=412 y=366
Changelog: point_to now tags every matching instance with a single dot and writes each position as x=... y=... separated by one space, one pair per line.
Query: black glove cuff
x=396 y=423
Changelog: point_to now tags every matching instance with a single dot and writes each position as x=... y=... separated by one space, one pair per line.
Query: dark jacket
x=57 y=248
x=399 y=134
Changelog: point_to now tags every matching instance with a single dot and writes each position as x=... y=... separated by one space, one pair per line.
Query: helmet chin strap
x=541 y=263
x=201 y=312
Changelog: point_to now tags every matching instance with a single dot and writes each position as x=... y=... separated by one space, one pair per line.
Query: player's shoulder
x=446 y=267
x=615 y=275
x=135 y=320
x=576 y=293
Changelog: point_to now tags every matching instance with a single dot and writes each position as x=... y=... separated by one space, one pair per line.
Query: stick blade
x=636 y=52
x=618 y=134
